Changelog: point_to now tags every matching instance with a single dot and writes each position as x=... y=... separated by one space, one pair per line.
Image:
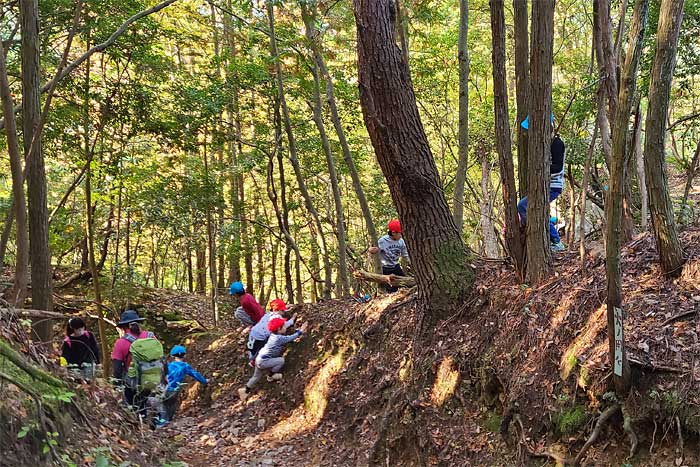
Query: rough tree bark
x=660 y=205
x=613 y=205
x=539 y=139
x=584 y=197
x=463 y=126
x=440 y=258
x=40 y=257
x=514 y=241
x=522 y=85
x=19 y=288
x=639 y=166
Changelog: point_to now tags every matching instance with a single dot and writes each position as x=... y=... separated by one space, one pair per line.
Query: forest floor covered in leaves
x=538 y=354
x=541 y=351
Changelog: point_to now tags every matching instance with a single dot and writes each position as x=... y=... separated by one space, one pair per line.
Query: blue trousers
x=522 y=211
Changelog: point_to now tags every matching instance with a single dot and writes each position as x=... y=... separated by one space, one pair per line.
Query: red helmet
x=275 y=324
x=278 y=305
x=394 y=226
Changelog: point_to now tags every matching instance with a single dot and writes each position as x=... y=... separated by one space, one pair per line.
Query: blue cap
x=178 y=350
x=553 y=219
x=526 y=123
x=236 y=287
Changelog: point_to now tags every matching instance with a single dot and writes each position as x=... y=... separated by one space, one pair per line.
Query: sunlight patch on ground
x=315 y=399
x=374 y=309
x=220 y=342
x=596 y=322
x=445 y=382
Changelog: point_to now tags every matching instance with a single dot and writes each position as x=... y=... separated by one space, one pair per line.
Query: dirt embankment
x=537 y=355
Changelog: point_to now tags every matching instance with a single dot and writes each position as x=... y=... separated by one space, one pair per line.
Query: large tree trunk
x=40 y=257
x=440 y=258
x=539 y=139
x=328 y=284
x=19 y=289
x=514 y=241
x=463 y=132
x=347 y=155
x=522 y=85
x=343 y=280
x=613 y=205
x=660 y=205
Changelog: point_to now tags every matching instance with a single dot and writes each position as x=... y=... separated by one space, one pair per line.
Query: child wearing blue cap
x=178 y=369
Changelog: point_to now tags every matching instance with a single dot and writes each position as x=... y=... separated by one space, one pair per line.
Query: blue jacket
x=177 y=372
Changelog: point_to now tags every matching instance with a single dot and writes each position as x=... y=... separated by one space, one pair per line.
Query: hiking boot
x=243 y=393
x=559 y=246
x=276 y=376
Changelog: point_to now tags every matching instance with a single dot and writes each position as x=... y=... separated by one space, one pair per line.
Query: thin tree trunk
x=487 y=229
x=660 y=204
x=211 y=245
x=570 y=229
x=40 y=257
x=522 y=86
x=613 y=205
x=584 y=191
x=439 y=257
x=330 y=162
x=463 y=126
x=293 y=150
x=692 y=170
x=5 y=237
x=539 y=139
x=347 y=155
x=19 y=289
x=514 y=242
x=639 y=163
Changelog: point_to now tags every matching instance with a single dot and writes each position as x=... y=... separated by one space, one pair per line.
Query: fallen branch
x=16 y=358
x=653 y=367
x=29 y=313
x=685 y=314
x=391 y=280
x=609 y=412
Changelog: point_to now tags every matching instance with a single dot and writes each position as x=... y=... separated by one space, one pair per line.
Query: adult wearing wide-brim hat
x=130 y=331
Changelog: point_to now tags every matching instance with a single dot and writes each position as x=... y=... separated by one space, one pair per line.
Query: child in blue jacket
x=178 y=369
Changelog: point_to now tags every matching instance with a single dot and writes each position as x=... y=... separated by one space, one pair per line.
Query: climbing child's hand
x=304 y=327
x=373 y=250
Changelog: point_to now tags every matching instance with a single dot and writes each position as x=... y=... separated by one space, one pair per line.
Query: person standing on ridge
x=556 y=180
x=391 y=247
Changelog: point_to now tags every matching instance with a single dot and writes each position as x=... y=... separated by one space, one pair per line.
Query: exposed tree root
x=609 y=412
x=545 y=453
x=629 y=429
x=680 y=433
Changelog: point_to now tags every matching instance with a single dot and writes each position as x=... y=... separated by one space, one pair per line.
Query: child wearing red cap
x=260 y=333
x=270 y=358
x=391 y=247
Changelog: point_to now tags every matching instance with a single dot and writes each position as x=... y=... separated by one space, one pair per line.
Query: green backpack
x=146 y=369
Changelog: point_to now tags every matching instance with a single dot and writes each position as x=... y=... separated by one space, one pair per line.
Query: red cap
x=275 y=324
x=278 y=305
x=395 y=226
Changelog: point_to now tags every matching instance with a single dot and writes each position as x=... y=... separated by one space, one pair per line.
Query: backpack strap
x=130 y=337
x=67 y=341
